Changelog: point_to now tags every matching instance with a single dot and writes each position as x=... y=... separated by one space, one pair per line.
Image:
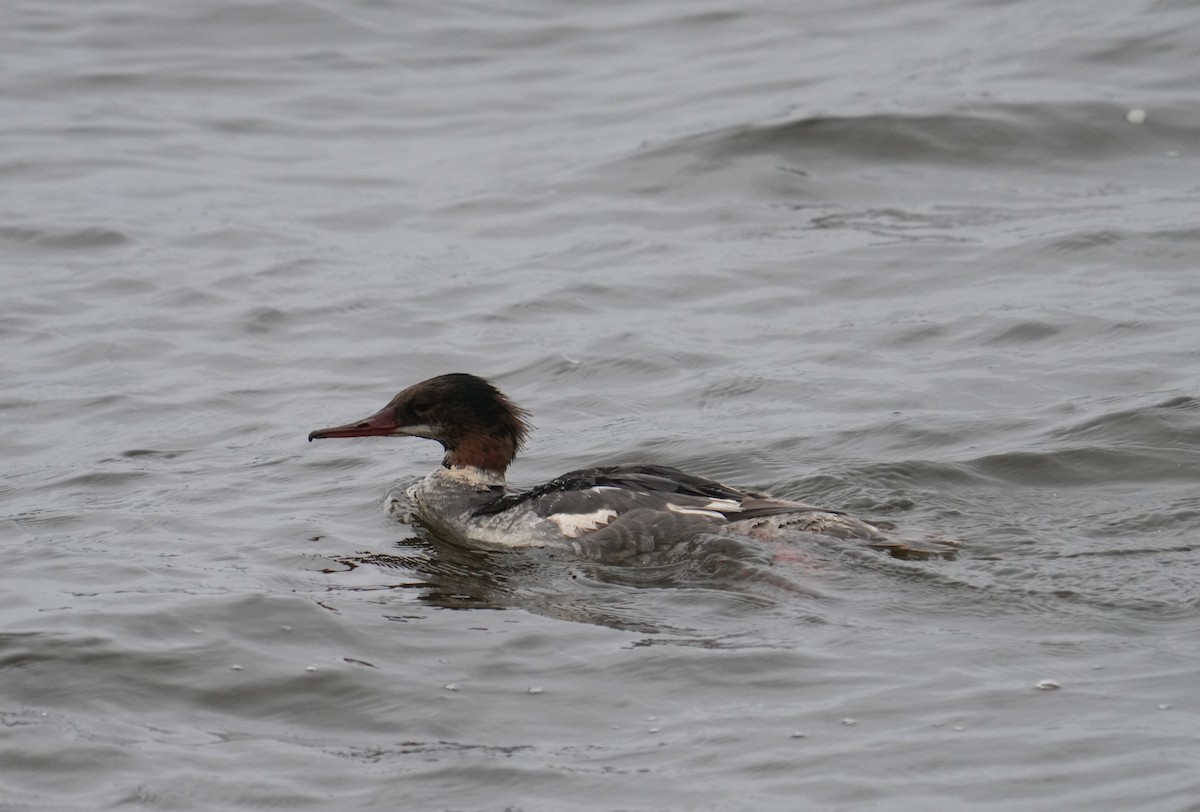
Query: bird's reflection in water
x=741 y=575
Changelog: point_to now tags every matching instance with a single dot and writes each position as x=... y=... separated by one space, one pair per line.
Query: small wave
x=104 y=479
x=997 y=135
x=1171 y=423
x=88 y=237
x=1085 y=465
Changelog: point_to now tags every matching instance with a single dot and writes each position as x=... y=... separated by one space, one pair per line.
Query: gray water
x=934 y=262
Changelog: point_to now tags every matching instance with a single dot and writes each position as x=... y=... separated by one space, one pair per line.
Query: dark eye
x=421 y=407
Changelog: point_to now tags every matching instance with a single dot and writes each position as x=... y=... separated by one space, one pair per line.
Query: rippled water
x=934 y=262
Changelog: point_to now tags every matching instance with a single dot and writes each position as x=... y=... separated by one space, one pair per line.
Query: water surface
x=933 y=262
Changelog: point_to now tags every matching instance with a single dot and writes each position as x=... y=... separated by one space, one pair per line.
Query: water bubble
x=1164 y=706
x=848 y=722
x=1135 y=116
x=1047 y=685
x=449 y=686
x=235 y=668
x=310 y=668
x=537 y=689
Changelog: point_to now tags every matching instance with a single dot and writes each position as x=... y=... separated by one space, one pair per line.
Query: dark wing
x=625 y=488
x=650 y=479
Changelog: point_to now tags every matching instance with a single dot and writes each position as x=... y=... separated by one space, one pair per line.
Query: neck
x=490 y=454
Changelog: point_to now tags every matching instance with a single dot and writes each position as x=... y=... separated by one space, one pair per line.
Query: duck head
x=474 y=421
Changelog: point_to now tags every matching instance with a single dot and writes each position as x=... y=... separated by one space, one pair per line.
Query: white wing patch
x=696 y=511
x=715 y=509
x=574 y=525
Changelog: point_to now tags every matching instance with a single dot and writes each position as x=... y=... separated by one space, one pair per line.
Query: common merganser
x=617 y=512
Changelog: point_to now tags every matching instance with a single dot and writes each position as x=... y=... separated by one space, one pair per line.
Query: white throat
x=477 y=478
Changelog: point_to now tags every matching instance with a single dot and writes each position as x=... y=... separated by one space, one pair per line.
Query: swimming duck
x=612 y=512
